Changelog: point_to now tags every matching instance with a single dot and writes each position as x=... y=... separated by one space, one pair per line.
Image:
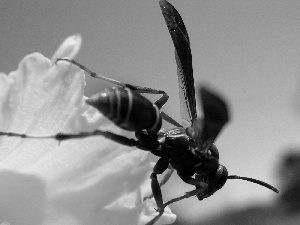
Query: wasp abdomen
x=127 y=109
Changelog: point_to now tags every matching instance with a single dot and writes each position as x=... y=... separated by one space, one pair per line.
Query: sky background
x=249 y=51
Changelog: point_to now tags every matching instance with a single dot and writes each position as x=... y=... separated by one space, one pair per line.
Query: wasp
x=189 y=147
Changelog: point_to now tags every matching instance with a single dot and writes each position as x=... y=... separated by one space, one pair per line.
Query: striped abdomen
x=127 y=109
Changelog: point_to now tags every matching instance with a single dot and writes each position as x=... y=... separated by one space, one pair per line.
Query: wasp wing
x=183 y=58
x=216 y=115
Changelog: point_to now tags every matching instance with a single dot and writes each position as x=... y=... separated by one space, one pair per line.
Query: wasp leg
x=163 y=99
x=166 y=177
x=142 y=90
x=146 y=140
x=14 y=134
x=186 y=195
x=154 y=220
x=112 y=136
x=64 y=136
x=159 y=168
x=192 y=181
x=93 y=74
x=170 y=119
x=162 y=182
x=159 y=103
x=132 y=87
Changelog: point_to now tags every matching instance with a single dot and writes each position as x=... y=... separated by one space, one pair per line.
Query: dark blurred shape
x=289 y=174
x=284 y=210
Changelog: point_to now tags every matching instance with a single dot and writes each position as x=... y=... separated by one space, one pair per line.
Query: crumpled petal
x=69 y=48
x=83 y=181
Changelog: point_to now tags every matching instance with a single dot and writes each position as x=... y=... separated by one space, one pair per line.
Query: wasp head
x=208 y=161
x=214 y=181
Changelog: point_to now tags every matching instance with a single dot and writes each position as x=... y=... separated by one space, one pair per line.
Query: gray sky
x=247 y=50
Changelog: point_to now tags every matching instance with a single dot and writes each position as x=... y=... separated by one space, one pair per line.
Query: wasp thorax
x=195 y=131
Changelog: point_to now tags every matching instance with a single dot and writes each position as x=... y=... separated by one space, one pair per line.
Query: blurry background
x=249 y=51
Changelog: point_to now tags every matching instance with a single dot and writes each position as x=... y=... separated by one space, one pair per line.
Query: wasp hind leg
x=93 y=74
x=64 y=136
x=141 y=90
x=192 y=181
x=137 y=89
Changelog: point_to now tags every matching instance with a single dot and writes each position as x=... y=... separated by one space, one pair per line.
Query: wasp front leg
x=192 y=181
x=162 y=182
x=160 y=167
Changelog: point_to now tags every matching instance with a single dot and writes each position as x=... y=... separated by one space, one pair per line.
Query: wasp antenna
x=254 y=181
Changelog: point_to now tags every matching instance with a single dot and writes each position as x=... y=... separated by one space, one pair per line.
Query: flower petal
x=69 y=48
x=41 y=100
x=80 y=181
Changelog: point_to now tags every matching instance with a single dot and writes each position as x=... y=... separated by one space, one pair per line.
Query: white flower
x=79 y=181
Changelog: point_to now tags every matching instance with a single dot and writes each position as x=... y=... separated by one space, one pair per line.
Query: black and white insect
x=189 y=147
